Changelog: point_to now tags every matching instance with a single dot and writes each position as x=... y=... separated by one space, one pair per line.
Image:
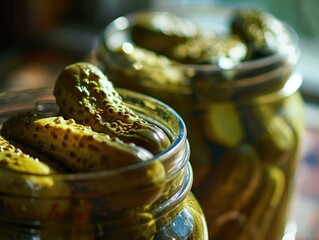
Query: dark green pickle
x=262 y=33
x=243 y=111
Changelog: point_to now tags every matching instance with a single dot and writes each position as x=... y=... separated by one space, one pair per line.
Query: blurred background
x=38 y=38
x=55 y=32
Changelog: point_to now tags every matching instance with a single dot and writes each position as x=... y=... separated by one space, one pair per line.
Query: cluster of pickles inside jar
x=94 y=131
x=158 y=42
x=245 y=184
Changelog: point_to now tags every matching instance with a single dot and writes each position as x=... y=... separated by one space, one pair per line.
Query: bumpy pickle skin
x=85 y=94
x=209 y=49
x=77 y=146
x=152 y=67
x=55 y=167
x=14 y=159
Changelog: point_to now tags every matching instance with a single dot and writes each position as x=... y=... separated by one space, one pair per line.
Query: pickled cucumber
x=56 y=167
x=76 y=146
x=85 y=94
x=151 y=67
x=222 y=124
x=34 y=180
x=184 y=41
x=263 y=34
x=160 y=32
x=207 y=49
x=269 y=132
x=14 y=159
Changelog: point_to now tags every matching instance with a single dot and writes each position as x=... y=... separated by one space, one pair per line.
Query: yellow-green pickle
x=238 y=93
x=87 y=161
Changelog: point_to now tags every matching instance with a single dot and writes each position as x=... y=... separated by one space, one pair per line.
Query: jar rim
x=45 y=96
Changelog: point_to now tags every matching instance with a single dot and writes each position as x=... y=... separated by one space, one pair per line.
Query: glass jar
x=244 y=122
x=139 y=201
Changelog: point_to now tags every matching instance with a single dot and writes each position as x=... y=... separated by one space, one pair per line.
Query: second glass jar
x=244 y=124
